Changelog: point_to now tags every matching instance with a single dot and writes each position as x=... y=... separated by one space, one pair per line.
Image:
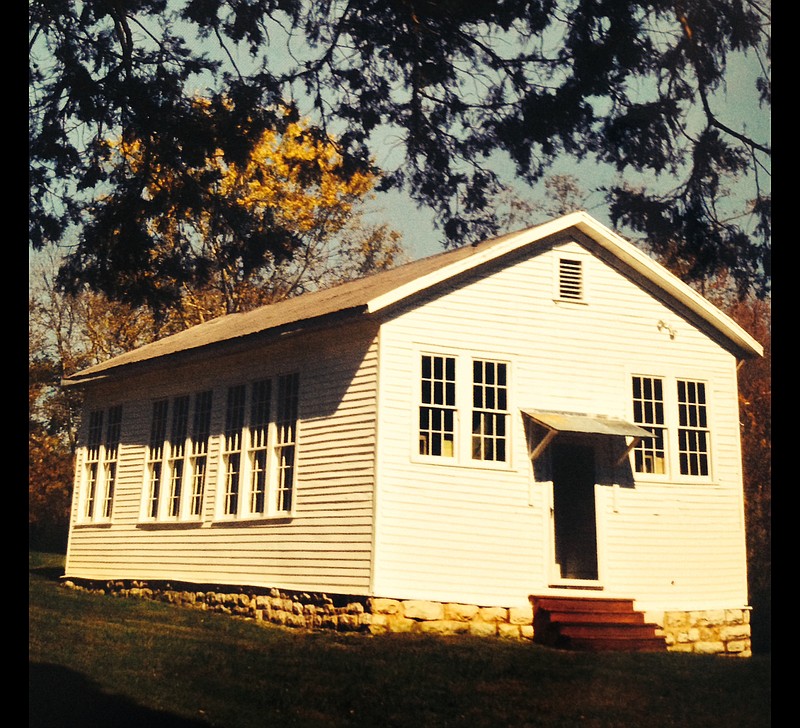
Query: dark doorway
x=574 y=511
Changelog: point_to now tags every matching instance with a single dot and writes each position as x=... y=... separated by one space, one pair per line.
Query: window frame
x=100 y=461
x=672 y=428
x=182 y=447
x=267 y=453
x=463 y=409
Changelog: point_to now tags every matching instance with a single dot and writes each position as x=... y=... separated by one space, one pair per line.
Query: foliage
x=755 y=411
x=72 y=331
x=51 y=467
x=141 y=662
x=634 y=84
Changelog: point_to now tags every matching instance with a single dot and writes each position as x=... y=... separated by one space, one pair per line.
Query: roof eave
x=95 y=374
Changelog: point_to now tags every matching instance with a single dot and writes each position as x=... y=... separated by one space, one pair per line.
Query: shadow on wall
x=62 y=698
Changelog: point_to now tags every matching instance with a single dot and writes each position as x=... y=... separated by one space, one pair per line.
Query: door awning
x=555 y=422
x=588 y=424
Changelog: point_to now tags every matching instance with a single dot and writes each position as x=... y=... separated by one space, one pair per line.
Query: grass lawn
x=107 y=661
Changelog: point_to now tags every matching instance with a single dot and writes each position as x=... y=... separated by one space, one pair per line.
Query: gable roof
x=379 y=291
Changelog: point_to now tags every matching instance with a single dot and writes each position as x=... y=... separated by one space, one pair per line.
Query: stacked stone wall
x=337 y=612
x=711 y=632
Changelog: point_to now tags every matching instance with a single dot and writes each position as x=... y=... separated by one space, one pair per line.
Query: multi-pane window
x=92 y=462
x=198 y=461
x=155 y=455
x=259 y=448
x=648 y=411
x=177 y=452
x=489 y=410
x=438 y=406
x=286 y=440
x=260 y=402
x=110 y=457
x=100 y=464
x=232 y=447
x=463 y=410
x=693 y=434
x=676 y=412
x=177 y=457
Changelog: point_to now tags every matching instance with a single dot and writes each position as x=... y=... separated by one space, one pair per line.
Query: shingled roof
x=377 y=291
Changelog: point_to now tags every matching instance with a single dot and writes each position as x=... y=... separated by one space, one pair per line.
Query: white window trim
x=271 y=511
x=462 y=448
x=671 y=426
x=98 y=515
x=171 y=454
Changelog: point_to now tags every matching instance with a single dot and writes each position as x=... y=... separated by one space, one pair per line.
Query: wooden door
x=574 y=511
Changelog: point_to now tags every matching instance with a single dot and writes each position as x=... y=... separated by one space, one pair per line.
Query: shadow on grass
x=51 y=573
x=62 y=698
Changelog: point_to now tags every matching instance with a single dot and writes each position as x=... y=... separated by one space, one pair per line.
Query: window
x=155 y=455
x=447 y=403
x=648 y=411
x=693 y=446
x=437 y=411
x=570 y=279
x=198 y=461
x=176 y=467
x=177 y=452
x=259 y=433
x=100 y=464
x=675 y=411
x=259 y=448
x=232 y=447
x=490 y=410
x=93 y=445
x=286 y=434
x=110 y=456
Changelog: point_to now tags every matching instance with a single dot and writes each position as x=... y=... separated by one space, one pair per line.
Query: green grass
x=102 y=660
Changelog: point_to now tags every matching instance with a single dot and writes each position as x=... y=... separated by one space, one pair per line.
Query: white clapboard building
x=546 y=415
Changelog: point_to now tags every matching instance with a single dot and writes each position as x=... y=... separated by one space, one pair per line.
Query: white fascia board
x=669 y=282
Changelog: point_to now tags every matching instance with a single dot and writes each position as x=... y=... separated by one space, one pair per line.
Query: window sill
x=649 y=479
x=456 y=463
x=106 y=523
x=245 y=521
x=146 y=525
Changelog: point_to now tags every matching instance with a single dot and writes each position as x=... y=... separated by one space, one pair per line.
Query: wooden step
x=603 y=631
x=634 y=618
x=654 y=644
x=579 y=604
x=593 y=624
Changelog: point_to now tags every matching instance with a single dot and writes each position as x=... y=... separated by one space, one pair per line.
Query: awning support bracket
x=633 y=443
x=540 y=448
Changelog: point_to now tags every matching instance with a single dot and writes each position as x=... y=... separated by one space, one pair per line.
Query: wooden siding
x=325 y=546
x=482 y=535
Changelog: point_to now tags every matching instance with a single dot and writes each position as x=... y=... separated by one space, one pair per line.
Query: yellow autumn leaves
x=276 y=177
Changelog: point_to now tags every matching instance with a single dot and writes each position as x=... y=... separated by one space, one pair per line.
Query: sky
x=735 y=106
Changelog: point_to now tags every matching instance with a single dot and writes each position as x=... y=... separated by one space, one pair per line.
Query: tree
x=755 y=408
x=633 y=84
x=69 y=331
x=270 y=188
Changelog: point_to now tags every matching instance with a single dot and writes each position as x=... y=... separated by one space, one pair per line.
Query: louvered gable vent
x=570 y=279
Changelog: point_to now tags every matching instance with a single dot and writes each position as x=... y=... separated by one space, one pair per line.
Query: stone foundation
x=709 y=632
x=723 y=632
x=336 y=612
